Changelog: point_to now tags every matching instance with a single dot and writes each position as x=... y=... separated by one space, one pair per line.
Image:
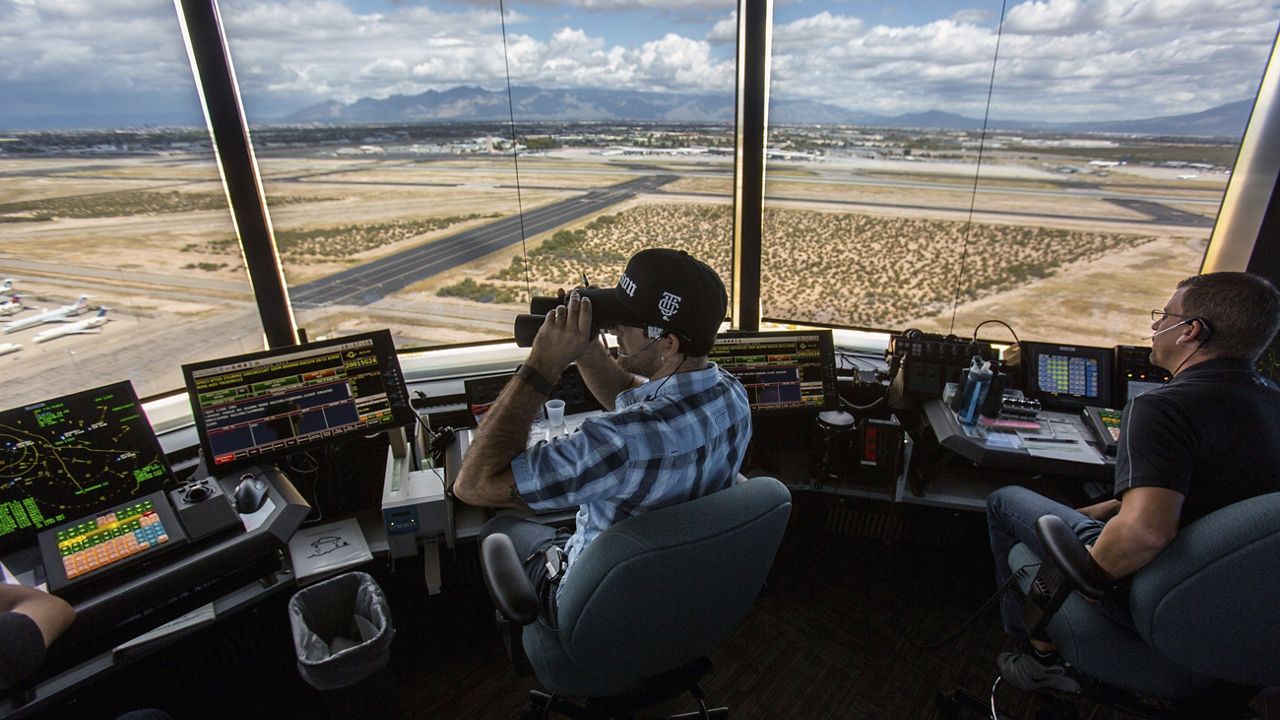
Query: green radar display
x=72 y=456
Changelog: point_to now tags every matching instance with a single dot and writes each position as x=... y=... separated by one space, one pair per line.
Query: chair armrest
x=1065 y=550
x=509 y=587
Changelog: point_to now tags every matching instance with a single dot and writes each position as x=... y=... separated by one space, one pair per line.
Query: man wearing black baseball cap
x=676 y=426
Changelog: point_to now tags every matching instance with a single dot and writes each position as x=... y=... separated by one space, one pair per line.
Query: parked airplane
x=6 y=348
x=12 y=306
x=58 y=315
x=92 y=325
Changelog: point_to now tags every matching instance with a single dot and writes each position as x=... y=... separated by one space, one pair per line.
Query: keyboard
x=101 y=543
x=110 y=538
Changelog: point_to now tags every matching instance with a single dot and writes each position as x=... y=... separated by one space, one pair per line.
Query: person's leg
x=1012 y=512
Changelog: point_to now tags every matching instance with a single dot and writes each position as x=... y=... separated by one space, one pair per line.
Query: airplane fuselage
x=56 y=315
x=92 y=325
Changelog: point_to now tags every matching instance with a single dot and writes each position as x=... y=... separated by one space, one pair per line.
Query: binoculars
x=606 y=312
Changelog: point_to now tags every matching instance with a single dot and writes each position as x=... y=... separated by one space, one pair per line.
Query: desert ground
x=874 y=244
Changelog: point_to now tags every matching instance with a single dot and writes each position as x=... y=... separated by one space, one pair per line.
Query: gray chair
x=1204 y=611
x=646 y=602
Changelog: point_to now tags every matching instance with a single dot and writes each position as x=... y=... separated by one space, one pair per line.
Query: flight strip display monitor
x=73 y=456
x=1068 y=376
x=270 y=404
x=782 y=371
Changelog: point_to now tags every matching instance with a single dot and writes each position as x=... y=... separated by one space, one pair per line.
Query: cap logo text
x=668 y=305
x=628 y=285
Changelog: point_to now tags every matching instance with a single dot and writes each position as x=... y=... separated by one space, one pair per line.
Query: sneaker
x=1025 y=671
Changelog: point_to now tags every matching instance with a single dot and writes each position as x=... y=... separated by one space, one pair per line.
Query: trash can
x=341 y=630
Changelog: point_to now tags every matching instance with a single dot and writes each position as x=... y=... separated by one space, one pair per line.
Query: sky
x=1058 y=59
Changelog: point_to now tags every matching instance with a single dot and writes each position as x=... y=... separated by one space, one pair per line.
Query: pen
x=1052 y=440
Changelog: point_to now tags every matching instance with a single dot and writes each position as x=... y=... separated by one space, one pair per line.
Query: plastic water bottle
x=976 y=387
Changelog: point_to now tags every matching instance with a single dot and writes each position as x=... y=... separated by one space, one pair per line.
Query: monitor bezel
x=827 y=345
x=1030 y=353
x=384 y=348
x=22 y=539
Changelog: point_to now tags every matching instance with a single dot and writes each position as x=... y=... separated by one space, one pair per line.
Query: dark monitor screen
x=270 y=404
x=482 y=392
x=782 y=371
x=73 y=456
x=1067 y=376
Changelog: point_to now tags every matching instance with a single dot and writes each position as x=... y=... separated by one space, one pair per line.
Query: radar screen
x=73 y=456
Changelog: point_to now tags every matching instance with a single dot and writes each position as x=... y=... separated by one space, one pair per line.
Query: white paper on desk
x=1070 y=451
x=1003 y=440
x=319 y=551
x=11 y=579
x=1064 y=430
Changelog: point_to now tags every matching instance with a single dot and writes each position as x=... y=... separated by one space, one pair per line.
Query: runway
x=372 y=281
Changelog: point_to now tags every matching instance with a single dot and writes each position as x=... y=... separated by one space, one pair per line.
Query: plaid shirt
x=669 y=441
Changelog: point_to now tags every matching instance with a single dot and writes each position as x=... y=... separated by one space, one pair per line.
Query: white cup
x=555 y=413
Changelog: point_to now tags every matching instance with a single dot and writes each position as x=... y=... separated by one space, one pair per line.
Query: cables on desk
x=1001 y=322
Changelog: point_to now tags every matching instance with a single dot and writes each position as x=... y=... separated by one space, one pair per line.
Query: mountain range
x=464 y=103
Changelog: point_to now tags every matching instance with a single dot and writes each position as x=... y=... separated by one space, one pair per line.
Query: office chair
x=1206 y=637
x=645 y=602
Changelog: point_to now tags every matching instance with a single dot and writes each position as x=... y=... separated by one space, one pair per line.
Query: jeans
x=531 y=541
x=1012 y=512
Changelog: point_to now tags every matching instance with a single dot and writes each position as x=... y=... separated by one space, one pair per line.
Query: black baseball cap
x=664 y=290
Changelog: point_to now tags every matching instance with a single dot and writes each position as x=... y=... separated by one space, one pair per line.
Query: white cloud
x=674 y=6
x=64 y=43
x=971 y=15
x=1059 y=59
x=725 y=31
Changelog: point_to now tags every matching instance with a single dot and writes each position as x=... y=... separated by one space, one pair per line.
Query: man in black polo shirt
x=1208 y=438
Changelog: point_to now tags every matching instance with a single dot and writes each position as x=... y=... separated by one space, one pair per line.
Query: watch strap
x=531 y=376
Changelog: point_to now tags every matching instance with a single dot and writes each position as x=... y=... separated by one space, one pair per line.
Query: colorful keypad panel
x=110 y=538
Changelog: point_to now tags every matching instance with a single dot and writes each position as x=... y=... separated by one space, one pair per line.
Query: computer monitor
x=74 y=456
x=791 y=371
x=267 y=405
x=1067 y=377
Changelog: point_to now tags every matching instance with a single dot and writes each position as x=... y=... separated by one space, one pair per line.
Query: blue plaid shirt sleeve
x=574 y=469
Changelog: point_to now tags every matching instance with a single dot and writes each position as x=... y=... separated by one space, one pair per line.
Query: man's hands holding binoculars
x=566 y=333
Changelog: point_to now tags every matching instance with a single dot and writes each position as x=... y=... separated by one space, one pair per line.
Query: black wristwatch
x=531 y=376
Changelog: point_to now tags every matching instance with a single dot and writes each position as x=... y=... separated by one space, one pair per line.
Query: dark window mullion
x=220 y=97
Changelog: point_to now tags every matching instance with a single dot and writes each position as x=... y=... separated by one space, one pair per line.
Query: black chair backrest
x=1209 y=601
x=662 y=589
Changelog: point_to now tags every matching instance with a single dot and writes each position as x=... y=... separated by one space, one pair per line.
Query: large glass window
x=384 y=136
x=109 y=190
x=1112 y=132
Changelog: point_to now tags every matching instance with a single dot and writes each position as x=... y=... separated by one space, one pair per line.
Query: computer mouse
x=250 y=494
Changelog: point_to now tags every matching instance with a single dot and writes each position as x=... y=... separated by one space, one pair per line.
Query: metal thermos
x=833 y=448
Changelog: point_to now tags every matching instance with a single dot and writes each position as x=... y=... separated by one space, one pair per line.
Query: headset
x=655 y=334
x=1207 y=331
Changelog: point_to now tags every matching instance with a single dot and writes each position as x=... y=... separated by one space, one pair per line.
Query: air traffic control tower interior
x=263 y=266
